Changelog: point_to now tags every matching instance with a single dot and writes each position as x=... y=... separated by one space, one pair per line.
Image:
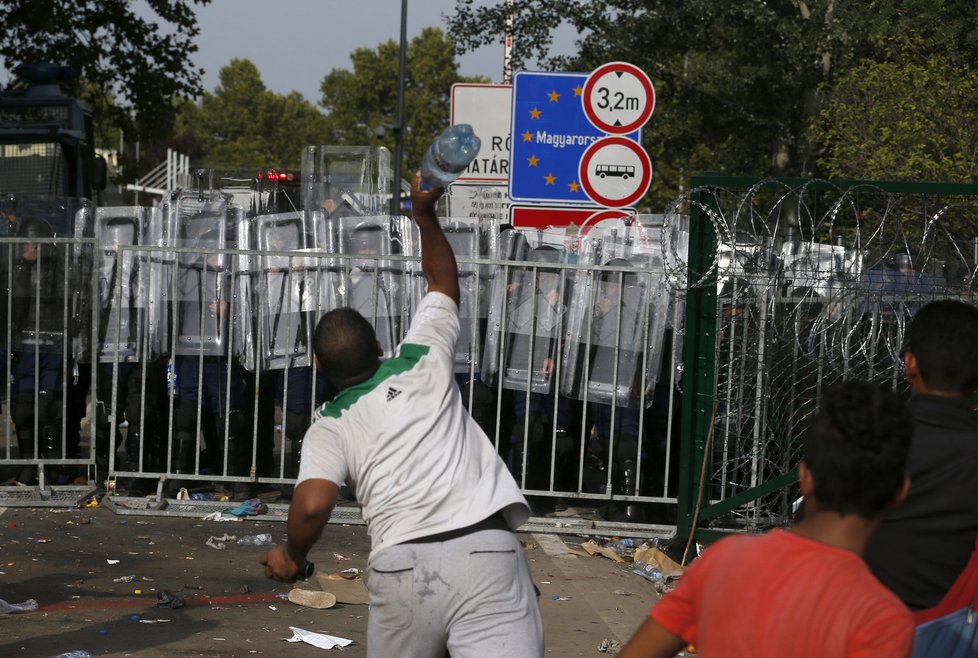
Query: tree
x=737 y=83
x=362 y=104
x=902 y=121
x=143 y=63
x=244 y=125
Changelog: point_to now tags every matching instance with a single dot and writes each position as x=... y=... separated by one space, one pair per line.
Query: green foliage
x=130 y=68
x=362 y=104
x=902 y=121
x=737 y=83
x=244 y=125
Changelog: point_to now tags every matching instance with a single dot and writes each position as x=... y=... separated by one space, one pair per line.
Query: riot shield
x=40 y=290
x=128 y=284
x=198 y=223
x=468 y=239
x=285 y=325
x=373 y=281
x=324 y=289
x=527 y=311
x=617 y=320
x=346 y=181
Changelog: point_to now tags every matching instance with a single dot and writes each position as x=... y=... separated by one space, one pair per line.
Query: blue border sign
x=550 y=133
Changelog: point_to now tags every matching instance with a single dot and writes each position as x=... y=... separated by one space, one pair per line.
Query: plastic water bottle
x=622 y=545
x=74 y=654
x=264 y=539
x=648 y=571
x=449 y=155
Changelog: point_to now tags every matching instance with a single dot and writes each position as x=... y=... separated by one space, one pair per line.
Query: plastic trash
x=74 y=654
x=621 y=546
x=263 y=539
x=169 y=600
x=218 y=542
x=648 y=571
x=250 y=507
x=449 y=155
x=30 y=605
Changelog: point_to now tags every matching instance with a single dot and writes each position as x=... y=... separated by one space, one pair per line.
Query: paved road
x=60 y=557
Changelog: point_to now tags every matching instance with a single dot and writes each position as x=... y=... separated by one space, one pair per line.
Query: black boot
x=238 y=455
x=623 y=480
x=25 y=445
x=183 y=461
x=128 y=456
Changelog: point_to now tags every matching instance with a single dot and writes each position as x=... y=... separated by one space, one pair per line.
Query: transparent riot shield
x=670 y=233
x=470 y=241
x=528 y=303
x=129 y=284
x=324 y=289
x=42 y=305
x=372 y=279
x=243 y=311
x=345 y=181
x=284 y=322
x=198 y=224
x=617 y=319
x=42 y=281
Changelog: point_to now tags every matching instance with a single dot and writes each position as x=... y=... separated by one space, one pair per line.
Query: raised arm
x=437 y=259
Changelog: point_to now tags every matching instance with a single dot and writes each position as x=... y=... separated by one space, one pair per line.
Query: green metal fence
x=794 y=285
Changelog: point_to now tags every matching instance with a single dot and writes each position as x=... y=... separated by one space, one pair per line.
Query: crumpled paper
x=218 y=542
x=320 y=640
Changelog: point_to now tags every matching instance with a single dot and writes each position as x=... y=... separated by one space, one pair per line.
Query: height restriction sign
x=618 y=98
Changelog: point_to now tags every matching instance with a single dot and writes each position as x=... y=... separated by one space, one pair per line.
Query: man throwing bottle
x=446 y=570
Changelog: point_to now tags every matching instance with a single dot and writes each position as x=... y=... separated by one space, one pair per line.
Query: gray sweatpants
x=472 y=595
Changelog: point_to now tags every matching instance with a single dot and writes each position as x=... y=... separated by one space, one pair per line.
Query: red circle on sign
x=610 y=69
x=626 y=214
x=640 y=189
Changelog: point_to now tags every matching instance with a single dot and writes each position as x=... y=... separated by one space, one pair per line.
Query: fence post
x=699 y=355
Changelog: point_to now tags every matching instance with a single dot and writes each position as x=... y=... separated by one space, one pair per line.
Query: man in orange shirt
x=804 y=592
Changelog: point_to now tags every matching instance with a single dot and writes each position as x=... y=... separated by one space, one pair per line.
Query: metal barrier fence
x=188 y=365
x=796 y=285
x=650 y=375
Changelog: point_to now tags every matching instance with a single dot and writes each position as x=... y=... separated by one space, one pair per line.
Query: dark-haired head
x=856 y=449
x=346 y=347
x=942 y=347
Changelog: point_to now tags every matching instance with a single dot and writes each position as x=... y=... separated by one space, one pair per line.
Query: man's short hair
x=943 y=337
x=856 y=448
x=346 y=346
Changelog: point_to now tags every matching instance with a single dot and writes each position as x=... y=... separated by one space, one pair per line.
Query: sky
x=295 y=43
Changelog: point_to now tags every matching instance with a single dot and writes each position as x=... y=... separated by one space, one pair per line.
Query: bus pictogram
x=622 y=171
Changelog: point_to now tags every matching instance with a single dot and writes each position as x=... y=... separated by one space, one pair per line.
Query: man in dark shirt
x=922 y=546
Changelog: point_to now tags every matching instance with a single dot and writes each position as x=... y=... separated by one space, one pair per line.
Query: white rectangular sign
x=483 y=201
x=486 y=108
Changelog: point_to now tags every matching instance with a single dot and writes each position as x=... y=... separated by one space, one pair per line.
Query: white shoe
x=311 y=598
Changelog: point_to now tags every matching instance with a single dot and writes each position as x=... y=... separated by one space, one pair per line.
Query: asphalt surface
x=75 y=562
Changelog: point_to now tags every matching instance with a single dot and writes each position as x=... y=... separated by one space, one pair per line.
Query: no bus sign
x=618 y=98
x=615 y=171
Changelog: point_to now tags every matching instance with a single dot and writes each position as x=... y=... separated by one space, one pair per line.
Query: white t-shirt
x=402 y=441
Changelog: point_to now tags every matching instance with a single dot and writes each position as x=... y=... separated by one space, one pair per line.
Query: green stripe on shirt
x=407 y=358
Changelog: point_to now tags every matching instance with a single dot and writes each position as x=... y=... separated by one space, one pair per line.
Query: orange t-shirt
x=779 y=594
